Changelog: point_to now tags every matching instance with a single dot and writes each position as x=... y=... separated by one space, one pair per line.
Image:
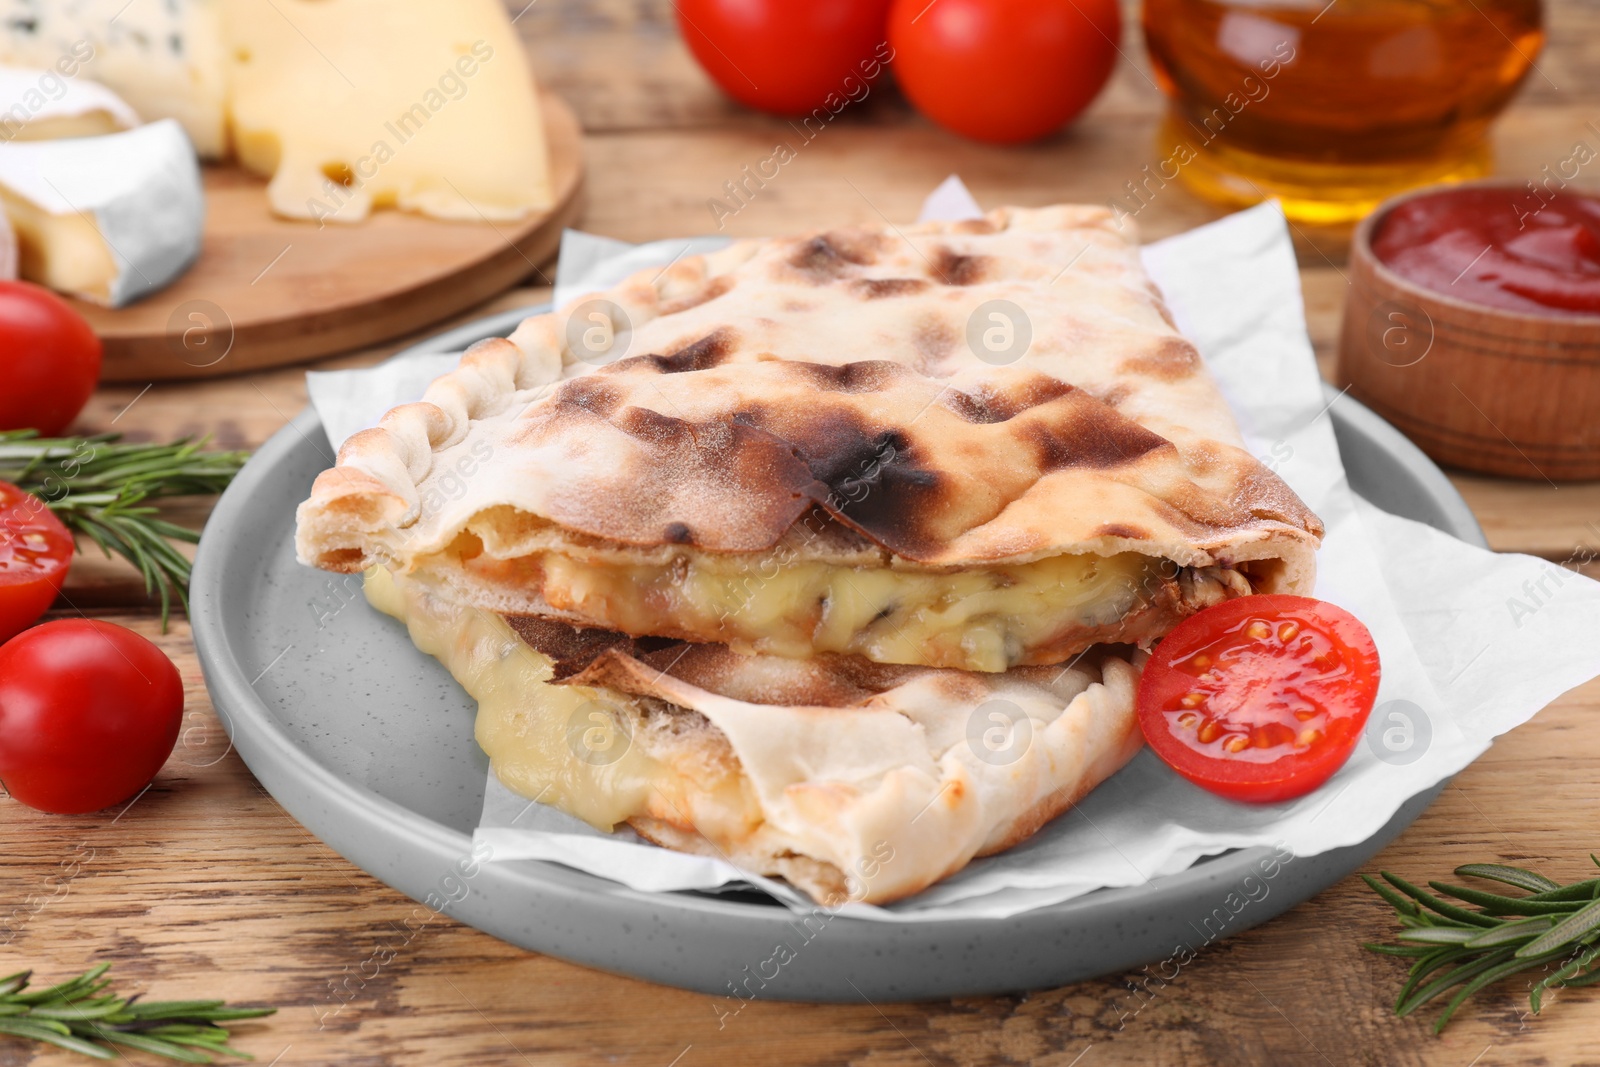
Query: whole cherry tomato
x=89 y=711
x=35 y=552
x=1261 y=698
x=1003 y=71
x=52 y=360
x=788 y=57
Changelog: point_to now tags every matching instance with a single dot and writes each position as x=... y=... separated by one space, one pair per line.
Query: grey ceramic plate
x=369 y=744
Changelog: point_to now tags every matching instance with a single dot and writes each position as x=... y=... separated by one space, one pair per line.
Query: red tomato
x=35 y=552
x=52 y=360
x=1003 y=71
x=788 y=56
x=1261 y=698
x=89 y=712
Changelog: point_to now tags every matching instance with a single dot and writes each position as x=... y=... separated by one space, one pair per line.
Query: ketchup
x=1505 y=248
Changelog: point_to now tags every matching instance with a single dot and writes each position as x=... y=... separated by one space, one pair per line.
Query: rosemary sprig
x=1551 y=928
x=102 y=488
x=81 y=1016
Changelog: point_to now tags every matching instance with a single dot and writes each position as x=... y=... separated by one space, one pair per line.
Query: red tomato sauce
x=1504 y=248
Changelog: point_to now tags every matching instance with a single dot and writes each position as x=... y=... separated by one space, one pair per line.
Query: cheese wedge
x=41 y=105
x=109 y=219
x=354 y=104
x=164 y=57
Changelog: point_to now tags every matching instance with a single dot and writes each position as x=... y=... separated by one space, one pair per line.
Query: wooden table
x=204 y=886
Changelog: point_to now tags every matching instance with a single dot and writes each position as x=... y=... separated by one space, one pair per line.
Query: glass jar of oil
x=1334 y=105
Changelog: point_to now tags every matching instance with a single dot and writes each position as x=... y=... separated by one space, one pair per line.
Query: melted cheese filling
x=977 y=620
x=576 y=748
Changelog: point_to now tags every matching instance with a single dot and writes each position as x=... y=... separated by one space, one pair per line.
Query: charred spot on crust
x=865 y=376
x=589 y=393
x=1091 y=435
x=955 y=268
x=677 y=533
x=883 y=288
x=705 y=294
x=970 y=408
x=829 y=255
x=708 y=352
x=652 y=426
x=1172 y=358
x=572 y=648
x=874 y=478
x=1015 y=396
x=1118 y=529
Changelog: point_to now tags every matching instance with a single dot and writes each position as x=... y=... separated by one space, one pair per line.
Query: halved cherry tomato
x=89 y=711
x=1261 y=698
x=35 y=552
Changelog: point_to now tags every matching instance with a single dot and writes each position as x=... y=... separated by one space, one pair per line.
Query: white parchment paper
x=1467 y=651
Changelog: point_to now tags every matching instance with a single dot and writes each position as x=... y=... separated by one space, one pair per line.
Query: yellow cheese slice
x=348 y=105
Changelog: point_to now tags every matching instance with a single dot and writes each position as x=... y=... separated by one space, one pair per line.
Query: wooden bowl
x=1503 y=392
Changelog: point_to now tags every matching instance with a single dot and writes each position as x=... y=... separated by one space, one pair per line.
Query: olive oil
x=1334 y=106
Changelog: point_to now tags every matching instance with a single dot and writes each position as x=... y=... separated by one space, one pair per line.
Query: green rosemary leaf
x=1487 y=978
x=1577 y=891
x=1510 y=932
x=1438 y=935
x=100 y=487
x=216 y=1047
x=1575 y=927
x=1560 y=977
x=1400 y=903
x=1428 y=900
x=64 y=990
x=1439 y=957
x=97 y=1009
x=155 y=1045
x=1514 y=876
x=78 y=1015
x=50 y=1037
x=1399 y=950
x=1465 y=972
x=1583 y=980
x=1498 y=905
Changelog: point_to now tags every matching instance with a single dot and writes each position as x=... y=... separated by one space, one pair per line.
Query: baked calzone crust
x=814 y=503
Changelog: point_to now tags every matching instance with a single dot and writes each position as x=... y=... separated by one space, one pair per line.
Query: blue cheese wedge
x=41 y=105
x=164 y=57
x=108 y=219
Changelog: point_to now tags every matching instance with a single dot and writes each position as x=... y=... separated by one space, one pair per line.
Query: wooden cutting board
x=268 y=291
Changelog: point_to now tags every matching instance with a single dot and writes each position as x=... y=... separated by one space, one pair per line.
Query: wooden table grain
x=203 y=886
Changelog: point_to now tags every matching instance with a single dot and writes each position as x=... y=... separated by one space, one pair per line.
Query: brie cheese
x=8 y=249
x=110 y=218
x=40 y=105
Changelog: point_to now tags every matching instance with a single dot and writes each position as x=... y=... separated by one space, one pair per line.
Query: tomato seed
x=1193 y=700
x=1305 y=714
x=1200 y=662
x=1236 y=742
x=1287 y=631
x=1258 y=630
x=1188 y=720
x=1308 y=738
x=1210 y=730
